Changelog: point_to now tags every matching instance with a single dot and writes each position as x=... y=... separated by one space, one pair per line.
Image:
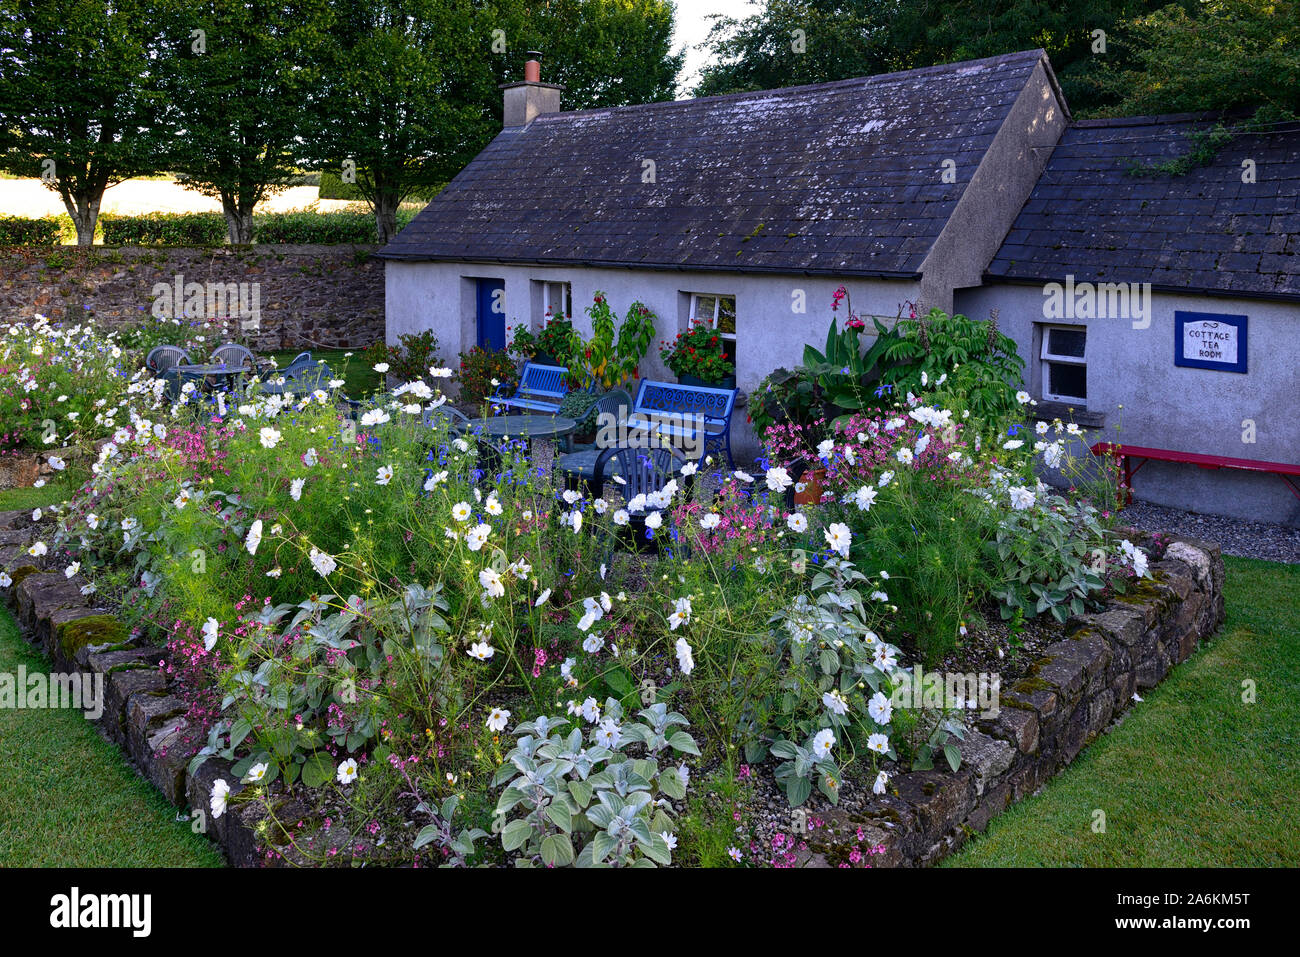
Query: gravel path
x=1278 y=543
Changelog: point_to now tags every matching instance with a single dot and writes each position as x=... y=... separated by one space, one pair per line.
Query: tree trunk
x=386 y=204
x=84 y=212
x=239 y=221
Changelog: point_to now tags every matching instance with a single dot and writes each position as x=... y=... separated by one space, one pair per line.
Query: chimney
x=526 y=101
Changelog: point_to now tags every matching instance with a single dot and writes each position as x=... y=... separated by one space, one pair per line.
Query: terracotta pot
x=812 y=480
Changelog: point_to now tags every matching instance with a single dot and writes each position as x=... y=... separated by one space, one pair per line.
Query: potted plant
x=556 y=343
x=696 y=358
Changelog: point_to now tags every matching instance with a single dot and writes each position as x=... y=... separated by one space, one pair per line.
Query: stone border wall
x=1068 y=698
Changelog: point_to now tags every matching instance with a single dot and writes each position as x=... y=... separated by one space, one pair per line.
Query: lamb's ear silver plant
x=458 y=844
x=593 y=806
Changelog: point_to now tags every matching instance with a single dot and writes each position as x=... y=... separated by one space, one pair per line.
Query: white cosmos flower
x=269 y=437
x=72 y=569
x=885 y=479
x=220 y=797
x=254 y=537
x=492 y=506
x=381 y=367
x=743 y=476
x=778 y=479
x=384 y=475
x=5 y=580
x=477 y=537
x=461 y=511
x=375 y=417
x=497 y=719
x=669 y=839
x=347 y=772
x=685 y=660
x=797 y=522
x=839 y=538
x=257 y=772
x=1012 y=445
x=57 y=463
x=880 y=708
x=905 y=456
x=541 y=599
x=653 y=520
x=835 y=702
x=690 y=468
x=323 y=563
x=1021 y=497
x=881 y=780
x=593 y=642
x=822 y=743
x=492 y=584
x=878 y=743
x=590 y=710
x=681 y=614
x=621 y=517
x=710 y=520
x=1022 y=397
x=481 y=650
x=436 y=479
x=37 y=549
x=864 y=498
x=309 y=458
x=295 y=488
x=210 y=629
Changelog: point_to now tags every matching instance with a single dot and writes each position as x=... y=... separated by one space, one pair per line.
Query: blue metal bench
x=541 y=388
x=687 y=413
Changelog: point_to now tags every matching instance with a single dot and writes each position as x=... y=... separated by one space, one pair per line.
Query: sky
x=692 y=27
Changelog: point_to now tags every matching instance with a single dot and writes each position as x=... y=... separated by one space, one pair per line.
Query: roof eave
x=1267 y=295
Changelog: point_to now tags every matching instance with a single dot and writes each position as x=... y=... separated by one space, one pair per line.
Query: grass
x=1193 y=777
x=361 y=379
x=70 y=799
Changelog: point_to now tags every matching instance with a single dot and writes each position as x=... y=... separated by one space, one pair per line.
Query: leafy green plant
x=612 y=357
x=482 y=371
x=698 y=352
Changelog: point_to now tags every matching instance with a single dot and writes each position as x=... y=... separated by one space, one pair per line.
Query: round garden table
x=528 y=427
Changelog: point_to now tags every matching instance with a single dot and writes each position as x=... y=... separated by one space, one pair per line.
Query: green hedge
x=25 y=231
x=198 y=229
x=164 y=229
x=333 y=187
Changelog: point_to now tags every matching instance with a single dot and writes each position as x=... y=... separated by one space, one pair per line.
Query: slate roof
x=839 y=178
x=1205 y=231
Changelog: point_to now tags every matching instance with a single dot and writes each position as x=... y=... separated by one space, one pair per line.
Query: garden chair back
x=643 y=470
x=541 y=389
x=685 y=414
x=431 y=417
x=162 y=358
x=233 y=356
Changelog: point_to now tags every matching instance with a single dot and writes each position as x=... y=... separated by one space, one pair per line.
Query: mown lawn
x=69 y=799
x=1193 y=776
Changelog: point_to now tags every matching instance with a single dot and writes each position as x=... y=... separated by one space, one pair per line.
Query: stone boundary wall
x=1068 y=698
x=308 y=297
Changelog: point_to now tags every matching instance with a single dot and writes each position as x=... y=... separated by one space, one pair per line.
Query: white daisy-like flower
x=654 y=520
x=681 y=614
x=879 y=786
x=37 y=549
x=434 y=480
x=347 y=772
x=493 y=586
x=797 y=522
x=477 y=537
x=880 y=708
x=839 y=538
x=541 y=599
x=685 y=658
x=481 y=650
x=381 y=367
x=621 y=517
x=822 y=743
x=835 y=703
x=220 y=797
x=269 y=437
x=295 y=488
x=257 y=772
x=322 y=562
x=492 y=506
x=710 y=520
x=254 y=537
x=384 y=475
x=5 y=580
x=778 y=479
x=743 y=476
x=878 y=743
x=461 y=511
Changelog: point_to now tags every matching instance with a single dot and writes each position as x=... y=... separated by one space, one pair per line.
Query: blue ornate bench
x=541 y=388
x=687 y=413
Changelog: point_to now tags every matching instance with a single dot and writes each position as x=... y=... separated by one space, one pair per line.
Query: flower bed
x=378 y=640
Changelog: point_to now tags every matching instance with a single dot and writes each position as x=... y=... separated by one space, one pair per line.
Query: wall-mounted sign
x=1208 y=340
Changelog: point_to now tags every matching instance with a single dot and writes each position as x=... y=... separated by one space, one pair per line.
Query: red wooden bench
x=1127 y=453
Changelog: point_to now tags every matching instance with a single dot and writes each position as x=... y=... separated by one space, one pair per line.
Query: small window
x=1065 y=370
x=557 y=300
x=720 y=314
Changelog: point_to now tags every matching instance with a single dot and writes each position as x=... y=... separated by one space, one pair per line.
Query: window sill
x=1047 y=410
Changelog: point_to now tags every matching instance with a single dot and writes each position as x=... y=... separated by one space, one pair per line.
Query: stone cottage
x=964 y=186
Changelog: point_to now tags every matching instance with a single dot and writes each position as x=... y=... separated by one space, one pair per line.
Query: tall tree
x=862 y=37
x=79 y=104
x=403 y=100
x=1230 y=55
x=238 y=84
x=434 y=104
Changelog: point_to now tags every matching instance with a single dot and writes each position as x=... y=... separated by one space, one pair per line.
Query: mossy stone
x=72 y=636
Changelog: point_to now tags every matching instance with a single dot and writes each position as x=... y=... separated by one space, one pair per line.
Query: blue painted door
x=492 y=313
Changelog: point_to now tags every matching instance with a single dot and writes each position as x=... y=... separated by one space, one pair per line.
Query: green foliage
x=479 y=367
x=593 y=806
x=411 y=358
x=698 y=352
x=333 y=187
x=968 y=365
x=559 y=340
x=307 y=227
x=163 y=229
x=25 y=231
x=611 y=361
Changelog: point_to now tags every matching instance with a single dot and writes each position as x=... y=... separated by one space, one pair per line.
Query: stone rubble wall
x=1068 y=698
x=311 y=296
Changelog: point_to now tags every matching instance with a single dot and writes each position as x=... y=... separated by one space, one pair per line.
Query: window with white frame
x=557 y=300
x=719 y=312
x=1065 y=368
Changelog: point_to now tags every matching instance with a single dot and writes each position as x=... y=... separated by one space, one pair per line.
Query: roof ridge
x=872 y=79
